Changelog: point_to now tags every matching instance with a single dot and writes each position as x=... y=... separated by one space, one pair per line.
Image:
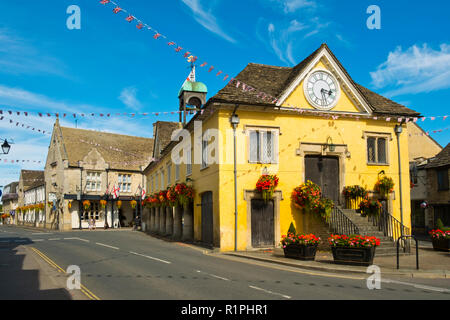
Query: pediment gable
x=348 y=97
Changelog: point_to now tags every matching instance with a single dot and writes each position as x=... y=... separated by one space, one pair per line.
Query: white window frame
x=275 y=132
x=376 y=136
x=169 y=174
x=124 y=184
x=189 y=163
x=93 y=177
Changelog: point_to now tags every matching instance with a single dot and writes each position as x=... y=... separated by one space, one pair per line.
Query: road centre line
x=54 y=239
x=214 y=276
x=149 y=257
x=105 y=245
x=271 y=292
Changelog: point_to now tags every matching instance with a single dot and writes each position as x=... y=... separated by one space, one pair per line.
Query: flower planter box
x=441 y=244
x=353 y=256
x=300 y=252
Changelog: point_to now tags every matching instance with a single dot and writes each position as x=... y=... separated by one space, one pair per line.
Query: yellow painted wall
x=296 y=129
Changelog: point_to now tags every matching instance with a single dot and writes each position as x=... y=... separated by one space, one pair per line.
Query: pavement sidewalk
x=432 y=264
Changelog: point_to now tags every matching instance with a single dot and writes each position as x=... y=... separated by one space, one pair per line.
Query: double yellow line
x=83 y=289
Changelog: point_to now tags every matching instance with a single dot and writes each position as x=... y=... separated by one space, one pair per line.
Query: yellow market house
x=323 y=127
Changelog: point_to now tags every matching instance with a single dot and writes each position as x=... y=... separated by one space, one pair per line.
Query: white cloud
x=206 y=19
x=128 y=97
x=290 y=6
x=414 y=70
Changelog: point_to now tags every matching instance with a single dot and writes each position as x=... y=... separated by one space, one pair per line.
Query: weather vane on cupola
x=192 y=94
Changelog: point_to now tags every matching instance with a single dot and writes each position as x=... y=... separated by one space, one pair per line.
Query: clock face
x=321 y=90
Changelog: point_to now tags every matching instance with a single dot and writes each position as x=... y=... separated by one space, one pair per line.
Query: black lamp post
x=234 y=121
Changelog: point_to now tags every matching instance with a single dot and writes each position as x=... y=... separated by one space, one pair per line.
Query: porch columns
x=157 y=219
x=177 y=225
x=188 y=224
x=169 y=221
x=152 y=219
x=162 y=220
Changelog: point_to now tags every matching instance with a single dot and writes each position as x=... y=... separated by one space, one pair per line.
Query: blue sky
x=109 y=66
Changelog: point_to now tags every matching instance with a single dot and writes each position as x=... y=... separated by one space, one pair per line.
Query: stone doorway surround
x=340 y=151
x=249 y=195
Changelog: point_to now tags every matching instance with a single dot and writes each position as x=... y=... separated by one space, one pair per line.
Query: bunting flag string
x=243 y=86
x=19 y=161
x=25 y=126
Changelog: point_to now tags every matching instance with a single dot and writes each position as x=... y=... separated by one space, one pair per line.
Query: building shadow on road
x=16 y=281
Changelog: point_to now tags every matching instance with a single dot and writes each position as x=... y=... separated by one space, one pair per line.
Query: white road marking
x=37 y=240
x=39 y=233
x=105 y=245
x=417 y=286
x=54 y=239
x=214 y=276
x=271 y=292
x=83 y=240
x=153 y=258
x=70 y=238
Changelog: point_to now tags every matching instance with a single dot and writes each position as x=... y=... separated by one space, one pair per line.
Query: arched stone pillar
x=177 y=223
x=188 y=224
x=169 y=221
x=162 y=220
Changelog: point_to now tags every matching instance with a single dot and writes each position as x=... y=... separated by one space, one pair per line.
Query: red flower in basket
x=266 y=185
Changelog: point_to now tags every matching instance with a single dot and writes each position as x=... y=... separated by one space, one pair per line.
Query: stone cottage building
x=83 y=169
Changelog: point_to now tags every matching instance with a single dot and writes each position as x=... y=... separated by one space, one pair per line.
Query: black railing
x=391 y=227
x=339 y=223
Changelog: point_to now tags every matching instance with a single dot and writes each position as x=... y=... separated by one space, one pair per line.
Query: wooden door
x=207 y=218
x=324 y=171
x=262 y=223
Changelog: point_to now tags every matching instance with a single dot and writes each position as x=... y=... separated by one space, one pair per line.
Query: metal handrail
x=339 y=223
x=398 y=250
x=391 y=227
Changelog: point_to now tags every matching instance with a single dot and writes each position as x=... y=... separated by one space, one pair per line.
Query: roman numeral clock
x=321 y=90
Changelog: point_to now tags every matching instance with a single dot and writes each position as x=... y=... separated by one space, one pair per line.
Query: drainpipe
x=80 y=205
x=234 y=120
x=398 y=130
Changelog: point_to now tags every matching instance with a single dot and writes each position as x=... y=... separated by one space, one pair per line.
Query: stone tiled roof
x=163 y=134
x=32 y=179
x=442 y=159
x=121 y=152
x=13 y=194
x=274 y=80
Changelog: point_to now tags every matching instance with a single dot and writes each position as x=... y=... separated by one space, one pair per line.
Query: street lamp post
x=6 y=147
x=234 y=120
x=398 y=130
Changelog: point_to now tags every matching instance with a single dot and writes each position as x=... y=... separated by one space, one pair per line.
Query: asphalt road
x=133 y=265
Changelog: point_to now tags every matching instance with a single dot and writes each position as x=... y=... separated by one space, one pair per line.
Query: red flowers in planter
x=439 y=234
x=299 y=239
x=355 y=241
x=185 y=194
x=266 y=185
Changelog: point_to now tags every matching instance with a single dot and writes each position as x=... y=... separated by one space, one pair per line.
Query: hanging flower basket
x=307 y=196
x=370 y=207
x=133 y=204
x=185 y=194
x=86 y=205
x=172 y=197
x=103 y=204
x=384 y=186
x=266 y=185
x=119 y=204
